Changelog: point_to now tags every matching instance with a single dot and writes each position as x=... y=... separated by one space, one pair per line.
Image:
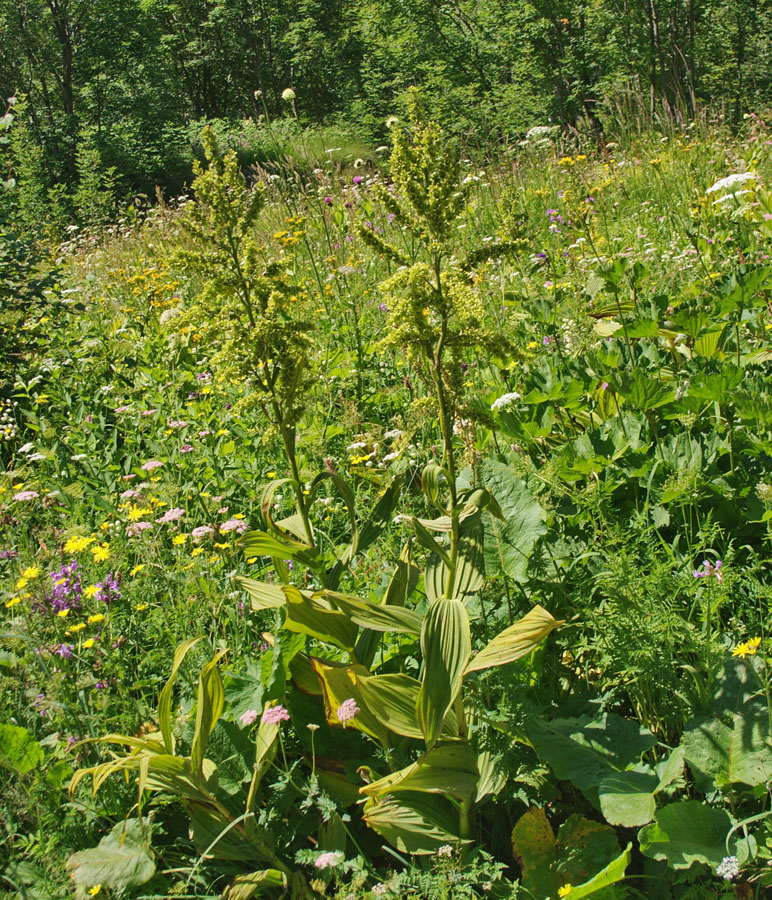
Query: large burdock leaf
x=516 y=641
x=446 y=645
x=627 y=798
x=121 y=862
x=509 y=544
x=19 y=751
x=719 y=753
x=688 y=832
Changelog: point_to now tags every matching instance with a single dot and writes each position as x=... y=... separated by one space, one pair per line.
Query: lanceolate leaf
x=450 y=770
x=392 y=700
x=315 y=617
x=165 y=698
x=375 y=615
x=264 y=596
x=516 y=641
x=414 y=822
x=446 y=646
x=211 y=698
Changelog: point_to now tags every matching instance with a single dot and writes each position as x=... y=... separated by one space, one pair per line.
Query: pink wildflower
x=201 y=532
x=186 y=448
x=151 y=464
x=347 y=710
x=249 y=717
x=274 y=715
x=137 y=528
x=171 y=515
x=21 y=496
x=234 y=525
x=329 y=860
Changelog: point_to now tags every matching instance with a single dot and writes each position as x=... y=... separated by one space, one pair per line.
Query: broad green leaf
x=514 y=642
x=446 y=646
x=121 y=862
x=450 y=770
x=165 y=698
x=19 y=751
x=429 y=542
x=627 y=798
x=493 y=776
x=316 y=617
x=584 y=751
x=640 y=390
x=430 y=483
x=212 y=835
x=415 y=823
x=688 y=832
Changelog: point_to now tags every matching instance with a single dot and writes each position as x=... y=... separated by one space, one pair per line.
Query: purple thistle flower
x=358 y=179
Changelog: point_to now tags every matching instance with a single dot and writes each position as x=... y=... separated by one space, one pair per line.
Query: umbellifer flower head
x=288 y=94
x=728 y=868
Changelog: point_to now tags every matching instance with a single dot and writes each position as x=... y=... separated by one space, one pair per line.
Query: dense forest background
x=119 y=89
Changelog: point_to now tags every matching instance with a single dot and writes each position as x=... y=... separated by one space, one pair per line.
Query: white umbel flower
x=505 y=400
x=730 y=182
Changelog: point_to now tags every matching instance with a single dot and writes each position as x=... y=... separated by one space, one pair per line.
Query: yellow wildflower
x=179 y=539
x=76 y=629
x=95 y=619
x=223 y=546
x=198 y=551
x=138 y=512
x=565 y=161
x=101 y=552
x=30 y=572
x=271 y=475
x=21 y=583
x=90 y=590
x=753 y=645
x=141 y=606
x=564 y=891
x=742 y=650
x=77 y=543
x=9 y=604
x=93 y=891
x=136 y=569
x=89 y=643
x=63 y=613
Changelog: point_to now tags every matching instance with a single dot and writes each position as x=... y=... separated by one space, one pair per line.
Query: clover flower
x=274 y=715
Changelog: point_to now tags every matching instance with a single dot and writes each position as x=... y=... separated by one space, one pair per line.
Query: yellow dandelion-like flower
x=101 y=552
x=21 y=583
x=63 y=613
x=9 y=604
x=30 y=572
x=93 y=891
x=179 y=539
x=743 y=650
x=90 y=590
x=565 y=161
x=271 y=475
x=141 y=606
x=564 y=891
x=753 y=645
x=198 y=551
x=76 y=629
x=95 y=619
x=89 y=643
x=138 y=512
x=77 y=543
x=136 y=570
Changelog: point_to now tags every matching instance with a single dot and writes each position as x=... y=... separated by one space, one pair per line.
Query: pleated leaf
x=516 y=641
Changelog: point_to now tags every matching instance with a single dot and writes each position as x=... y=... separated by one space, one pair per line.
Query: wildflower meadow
x=395 y=524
